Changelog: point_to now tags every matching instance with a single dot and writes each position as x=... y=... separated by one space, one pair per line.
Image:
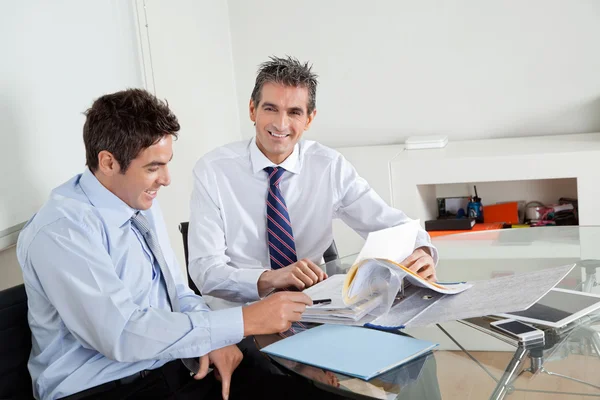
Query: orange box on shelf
x=505 y=212
x=477 y=227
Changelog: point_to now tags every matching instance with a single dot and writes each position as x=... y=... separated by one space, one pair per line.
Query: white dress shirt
x=227 y=238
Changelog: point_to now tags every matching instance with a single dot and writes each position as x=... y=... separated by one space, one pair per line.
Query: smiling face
x=281 y=117
x=145 y=175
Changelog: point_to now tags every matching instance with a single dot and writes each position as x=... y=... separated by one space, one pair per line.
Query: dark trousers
x=250 y=380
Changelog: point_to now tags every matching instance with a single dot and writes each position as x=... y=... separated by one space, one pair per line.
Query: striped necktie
x=282 y=250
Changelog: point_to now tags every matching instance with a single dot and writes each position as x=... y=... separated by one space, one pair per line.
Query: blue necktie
x=143 y=226
x=282 y=250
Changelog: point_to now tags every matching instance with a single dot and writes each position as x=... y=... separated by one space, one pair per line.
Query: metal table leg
x=510 y=373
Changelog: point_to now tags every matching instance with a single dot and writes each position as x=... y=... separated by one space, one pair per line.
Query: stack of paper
x=336 y=310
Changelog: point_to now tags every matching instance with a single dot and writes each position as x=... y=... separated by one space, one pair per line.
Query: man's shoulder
x=67 y=208
x=236 y=152
x=309 y=149
x=231 y=150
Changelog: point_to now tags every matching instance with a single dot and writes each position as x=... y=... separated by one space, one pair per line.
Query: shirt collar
x=112 y=208
x=260 y=161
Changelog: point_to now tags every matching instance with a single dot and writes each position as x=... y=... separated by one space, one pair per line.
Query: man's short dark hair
x=125 y=123
x=288 y=72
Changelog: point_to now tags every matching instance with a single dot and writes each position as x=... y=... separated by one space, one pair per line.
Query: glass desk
x=474 y=362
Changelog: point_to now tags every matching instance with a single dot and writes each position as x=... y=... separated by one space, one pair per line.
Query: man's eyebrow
x=269 y=105
x=299 y=109
x=156 y=163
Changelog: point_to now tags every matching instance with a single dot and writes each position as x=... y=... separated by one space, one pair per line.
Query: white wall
x=466 y=68
x=55 y=59
x=193 y=70
x=10 y=271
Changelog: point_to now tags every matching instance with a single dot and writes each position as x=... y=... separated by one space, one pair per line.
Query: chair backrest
x=183 y=228
x=15 y=345
x=330 y=254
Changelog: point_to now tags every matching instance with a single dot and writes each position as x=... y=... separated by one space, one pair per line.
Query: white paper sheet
x=395 y=243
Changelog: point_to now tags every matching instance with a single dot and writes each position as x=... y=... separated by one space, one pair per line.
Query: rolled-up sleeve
x=80 y=281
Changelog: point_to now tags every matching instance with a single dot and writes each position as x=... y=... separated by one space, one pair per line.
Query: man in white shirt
x=262 y=209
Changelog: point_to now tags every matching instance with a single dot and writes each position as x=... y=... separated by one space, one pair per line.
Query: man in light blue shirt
x=109 y=310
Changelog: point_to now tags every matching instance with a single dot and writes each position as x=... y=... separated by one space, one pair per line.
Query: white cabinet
x=567 y=164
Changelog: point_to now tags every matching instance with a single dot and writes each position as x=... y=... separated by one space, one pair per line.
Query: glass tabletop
x=471 y=361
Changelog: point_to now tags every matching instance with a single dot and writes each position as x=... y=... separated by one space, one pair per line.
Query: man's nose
x=281 y=122
x=165 y=178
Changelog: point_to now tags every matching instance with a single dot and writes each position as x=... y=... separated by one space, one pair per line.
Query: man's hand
x=275 y=313
x=421 y=262
x=225 y=360
x=301 y=274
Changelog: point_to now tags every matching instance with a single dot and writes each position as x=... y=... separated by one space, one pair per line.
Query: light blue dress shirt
x=98 y=310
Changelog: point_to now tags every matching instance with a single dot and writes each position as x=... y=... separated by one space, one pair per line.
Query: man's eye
x=152 y=169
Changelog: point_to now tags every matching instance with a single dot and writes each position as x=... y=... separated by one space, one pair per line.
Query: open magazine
x=375 y=282
x=369 y=289
x=375 y=275
x=373 y=285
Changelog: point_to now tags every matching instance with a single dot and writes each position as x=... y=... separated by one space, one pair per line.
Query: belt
x=109 y=385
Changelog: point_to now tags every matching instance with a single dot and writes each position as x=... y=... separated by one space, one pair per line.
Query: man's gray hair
x=288 y=72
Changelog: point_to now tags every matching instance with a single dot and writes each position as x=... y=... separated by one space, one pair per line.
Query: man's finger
x=417 y=265
x=297 y=283
x=298 y=307
x=304 y=276
x=409 y=260
x=316 y=270
x=426 y=272
x=415 y=255
x=307 y=270
x=203 y=368
x=225 y=383
x=299 y=297
x=293 y=317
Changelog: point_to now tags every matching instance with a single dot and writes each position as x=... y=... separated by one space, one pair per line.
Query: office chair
x=183 y=228
x=15 y=345
x=330 y=254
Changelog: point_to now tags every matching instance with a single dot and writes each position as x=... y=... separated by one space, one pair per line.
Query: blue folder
x=350 y=350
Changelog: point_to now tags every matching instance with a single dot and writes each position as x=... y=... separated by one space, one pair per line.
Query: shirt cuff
x=248 y=278
x=226 y=327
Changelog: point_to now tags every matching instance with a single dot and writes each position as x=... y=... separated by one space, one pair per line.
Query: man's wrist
x=264 y=284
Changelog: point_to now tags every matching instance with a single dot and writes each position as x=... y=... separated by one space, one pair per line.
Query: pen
x=321 y=301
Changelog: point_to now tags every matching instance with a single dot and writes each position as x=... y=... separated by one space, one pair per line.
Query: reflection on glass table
x=474 y=361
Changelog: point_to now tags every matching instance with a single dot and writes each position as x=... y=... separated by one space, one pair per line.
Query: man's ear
x=310 y=119
x=252 y=110
x=107 y=164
